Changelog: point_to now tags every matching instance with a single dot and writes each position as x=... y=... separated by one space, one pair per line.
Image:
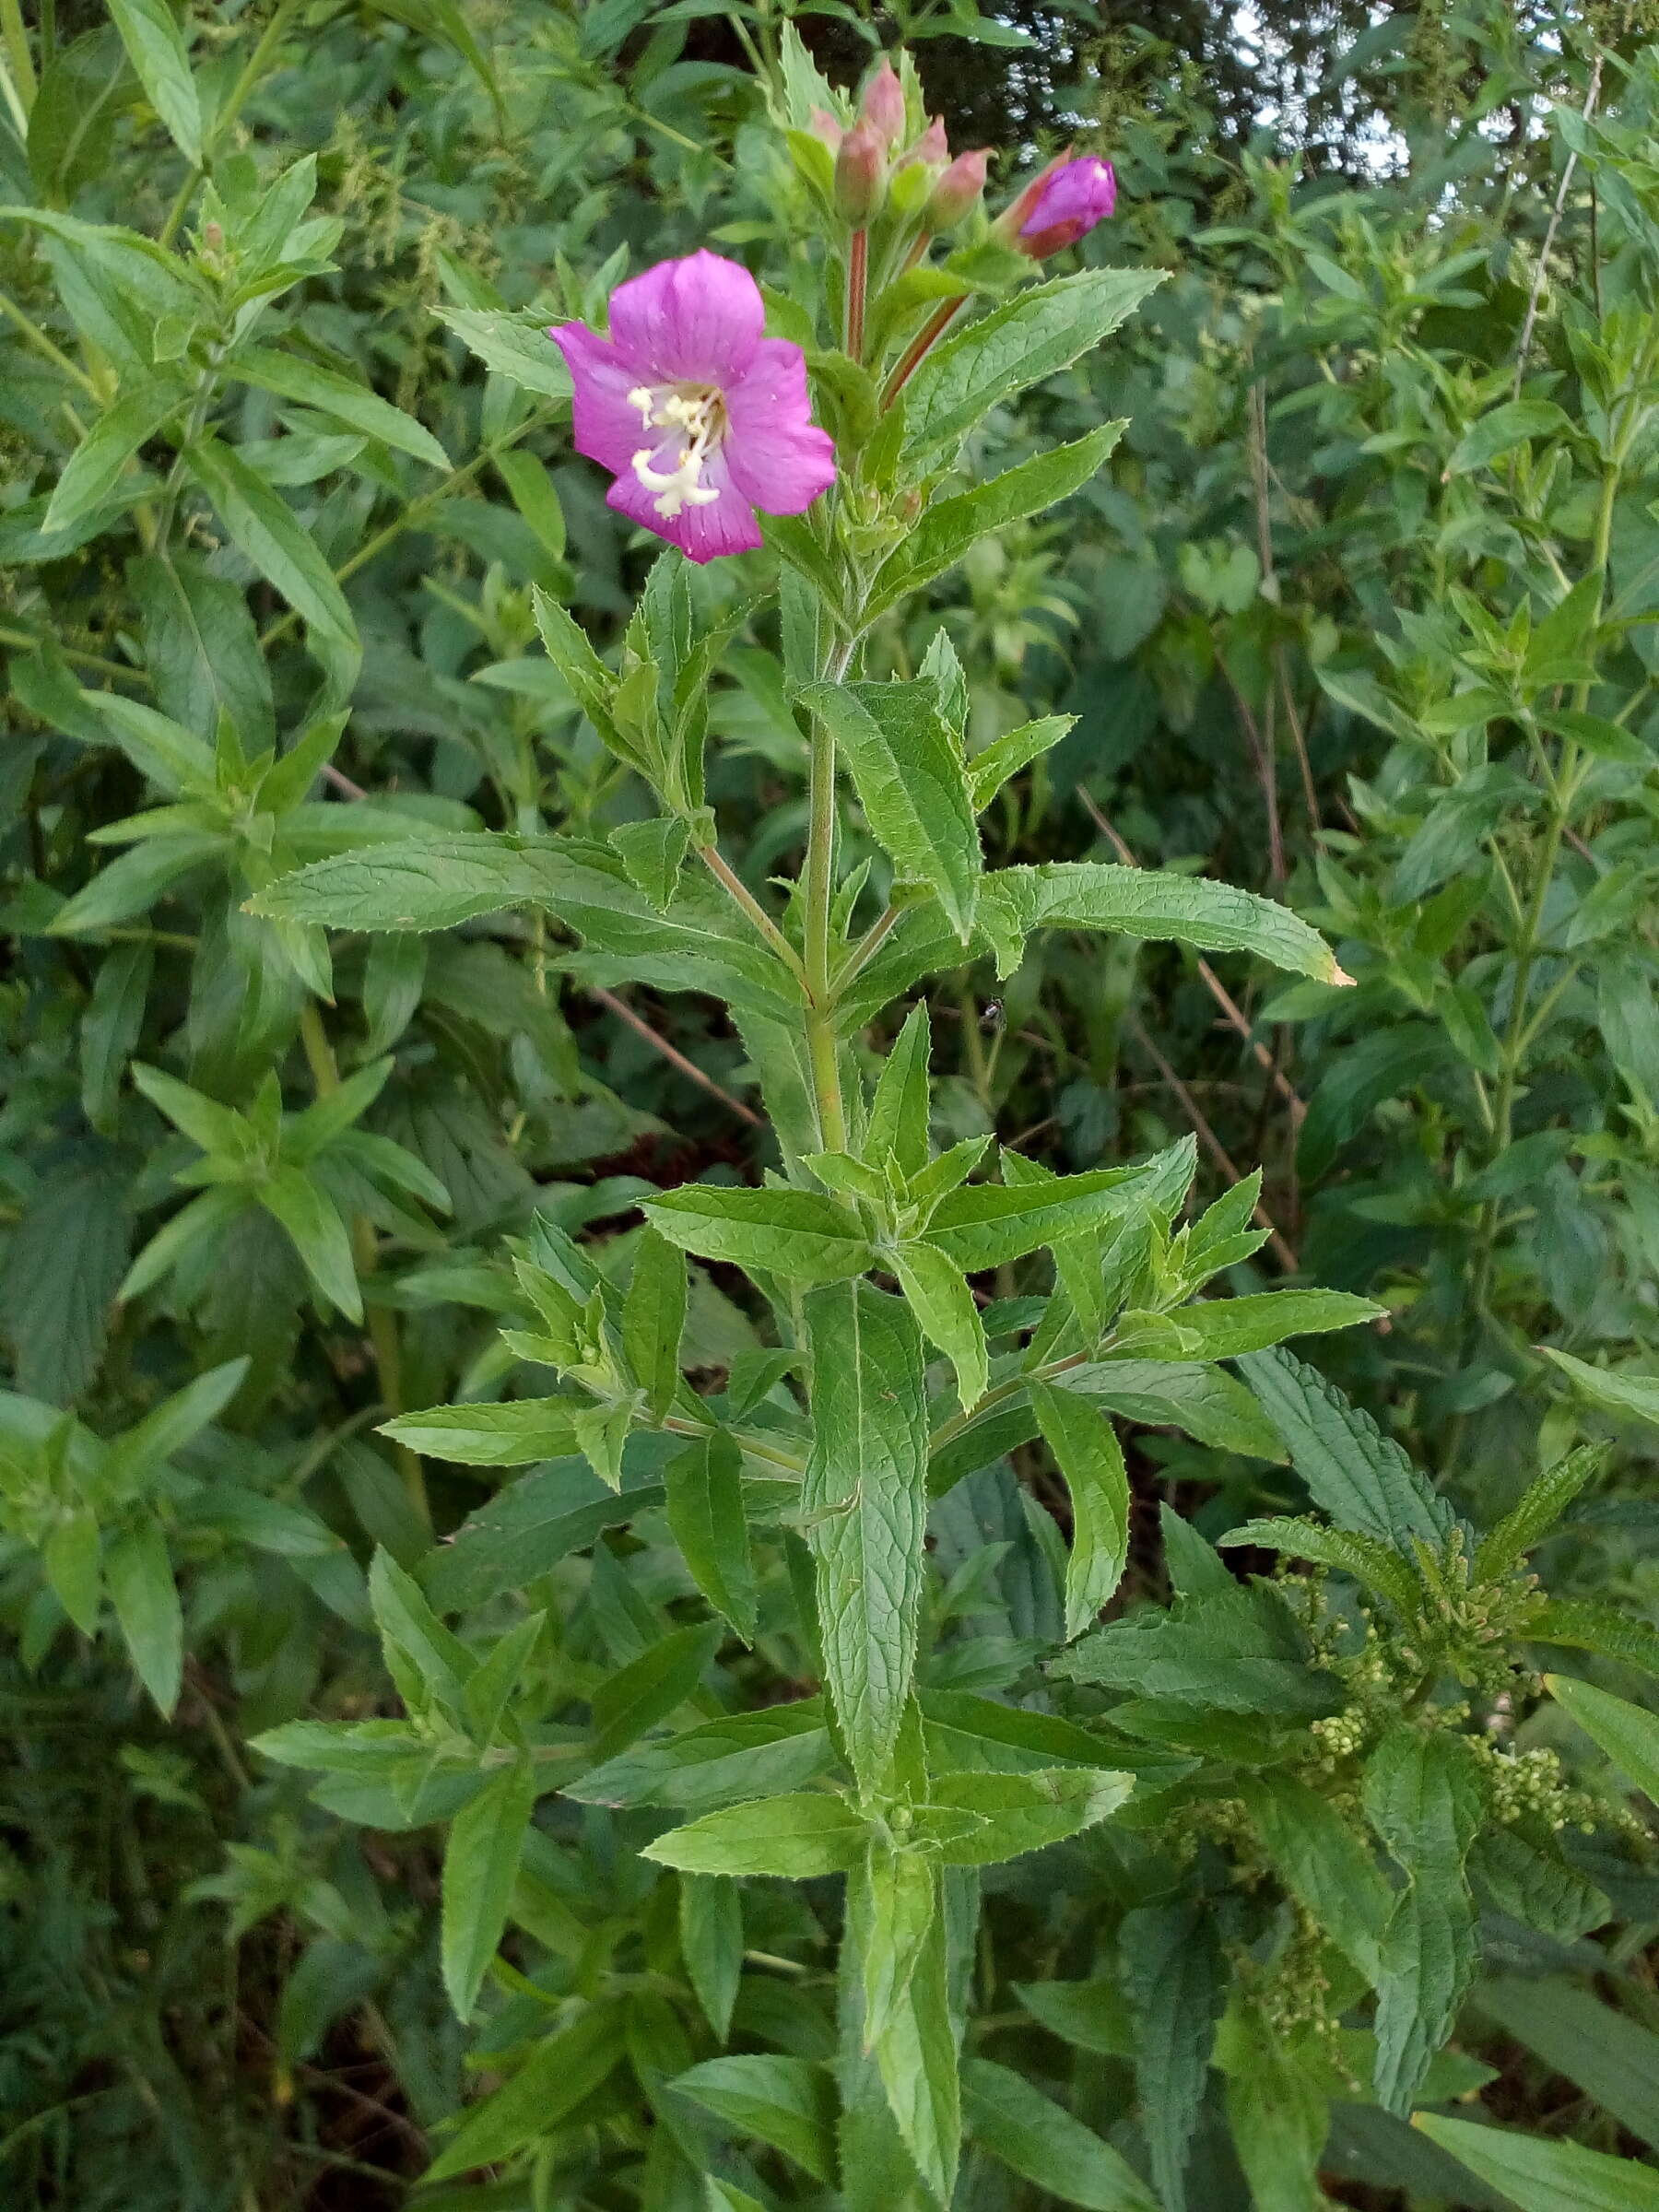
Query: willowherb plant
x=1287 y=1814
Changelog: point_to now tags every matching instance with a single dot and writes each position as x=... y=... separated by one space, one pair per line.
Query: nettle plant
x=1287 y=1794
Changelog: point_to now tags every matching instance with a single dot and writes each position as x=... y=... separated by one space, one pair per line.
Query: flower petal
x=778 y=457
x=697 y=320
x=703 y=534
x=606 y=426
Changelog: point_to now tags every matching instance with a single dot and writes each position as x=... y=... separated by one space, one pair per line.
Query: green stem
x=200 y=407
x=865 y=951
x=36 y=337
x=382 y=1320
x=750 y=907
x=21 y=642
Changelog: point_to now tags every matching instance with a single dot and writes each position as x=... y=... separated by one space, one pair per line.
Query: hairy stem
x=858 y=281
x=928 y=336
x=748 y=905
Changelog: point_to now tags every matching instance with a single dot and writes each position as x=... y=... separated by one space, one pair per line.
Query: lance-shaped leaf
x=155 y=43
x=864 y=1503
x=711 y=1934
x=139 y=1577
x=1016 y=1813
x=950 y=527
x=558 y=2073
x=949 y=1318
x=986 y=1224
x=904 y=1888
x=1148 y=902
x=741 y=1756
x=94 y=469
x=513 y=346
x=531 y=1525
x=705 y=1516
x=292 y=377
x=1041 y=2142
x=1628 y=1735
x=1536 y=2175
x=915 y=2054
x=1627 y=1398
x=262 y=525
x=430 y=883
x=907 y=770
x=1610 y=2055
x=1278 y=2114
x=797 y=1234
x=654 y=1319
x=1088 y=1453
x=650 y=1688
x=797 y=1837
x=1227 y=1326
x=510 y=1434
x=897 y=1128
x=990 y=770
x=789 y=2103
x=1423 y=1798
x=1034 y=336
x=480 y=1865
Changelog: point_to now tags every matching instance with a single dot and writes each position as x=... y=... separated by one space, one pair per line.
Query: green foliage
x=613 y=1219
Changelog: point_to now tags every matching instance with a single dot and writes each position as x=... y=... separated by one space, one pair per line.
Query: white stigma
x=698 y=410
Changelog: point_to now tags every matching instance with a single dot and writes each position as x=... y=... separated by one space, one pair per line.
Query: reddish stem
x=858 y=279
x=920 y=346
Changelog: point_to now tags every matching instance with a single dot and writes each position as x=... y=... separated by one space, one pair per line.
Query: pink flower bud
x=883 y=107
x=859 y=174
x=1062 y=207
x=824 y=125
x=958 y=190
x=933 y=148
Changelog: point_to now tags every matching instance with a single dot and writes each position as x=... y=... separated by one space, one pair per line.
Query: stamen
x=699 y=411
x=680 y=488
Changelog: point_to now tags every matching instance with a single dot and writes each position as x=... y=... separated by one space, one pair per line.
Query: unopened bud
x=824 y=126
x=859 y=174
x=933 y=148
x=883 y=107
x=1060 y=206
x=958 y=190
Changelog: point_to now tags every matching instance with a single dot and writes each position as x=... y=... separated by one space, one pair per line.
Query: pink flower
x=700 y=417
x=1064 y=203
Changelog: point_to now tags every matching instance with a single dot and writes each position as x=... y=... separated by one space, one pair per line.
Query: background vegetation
x=1361 y=616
